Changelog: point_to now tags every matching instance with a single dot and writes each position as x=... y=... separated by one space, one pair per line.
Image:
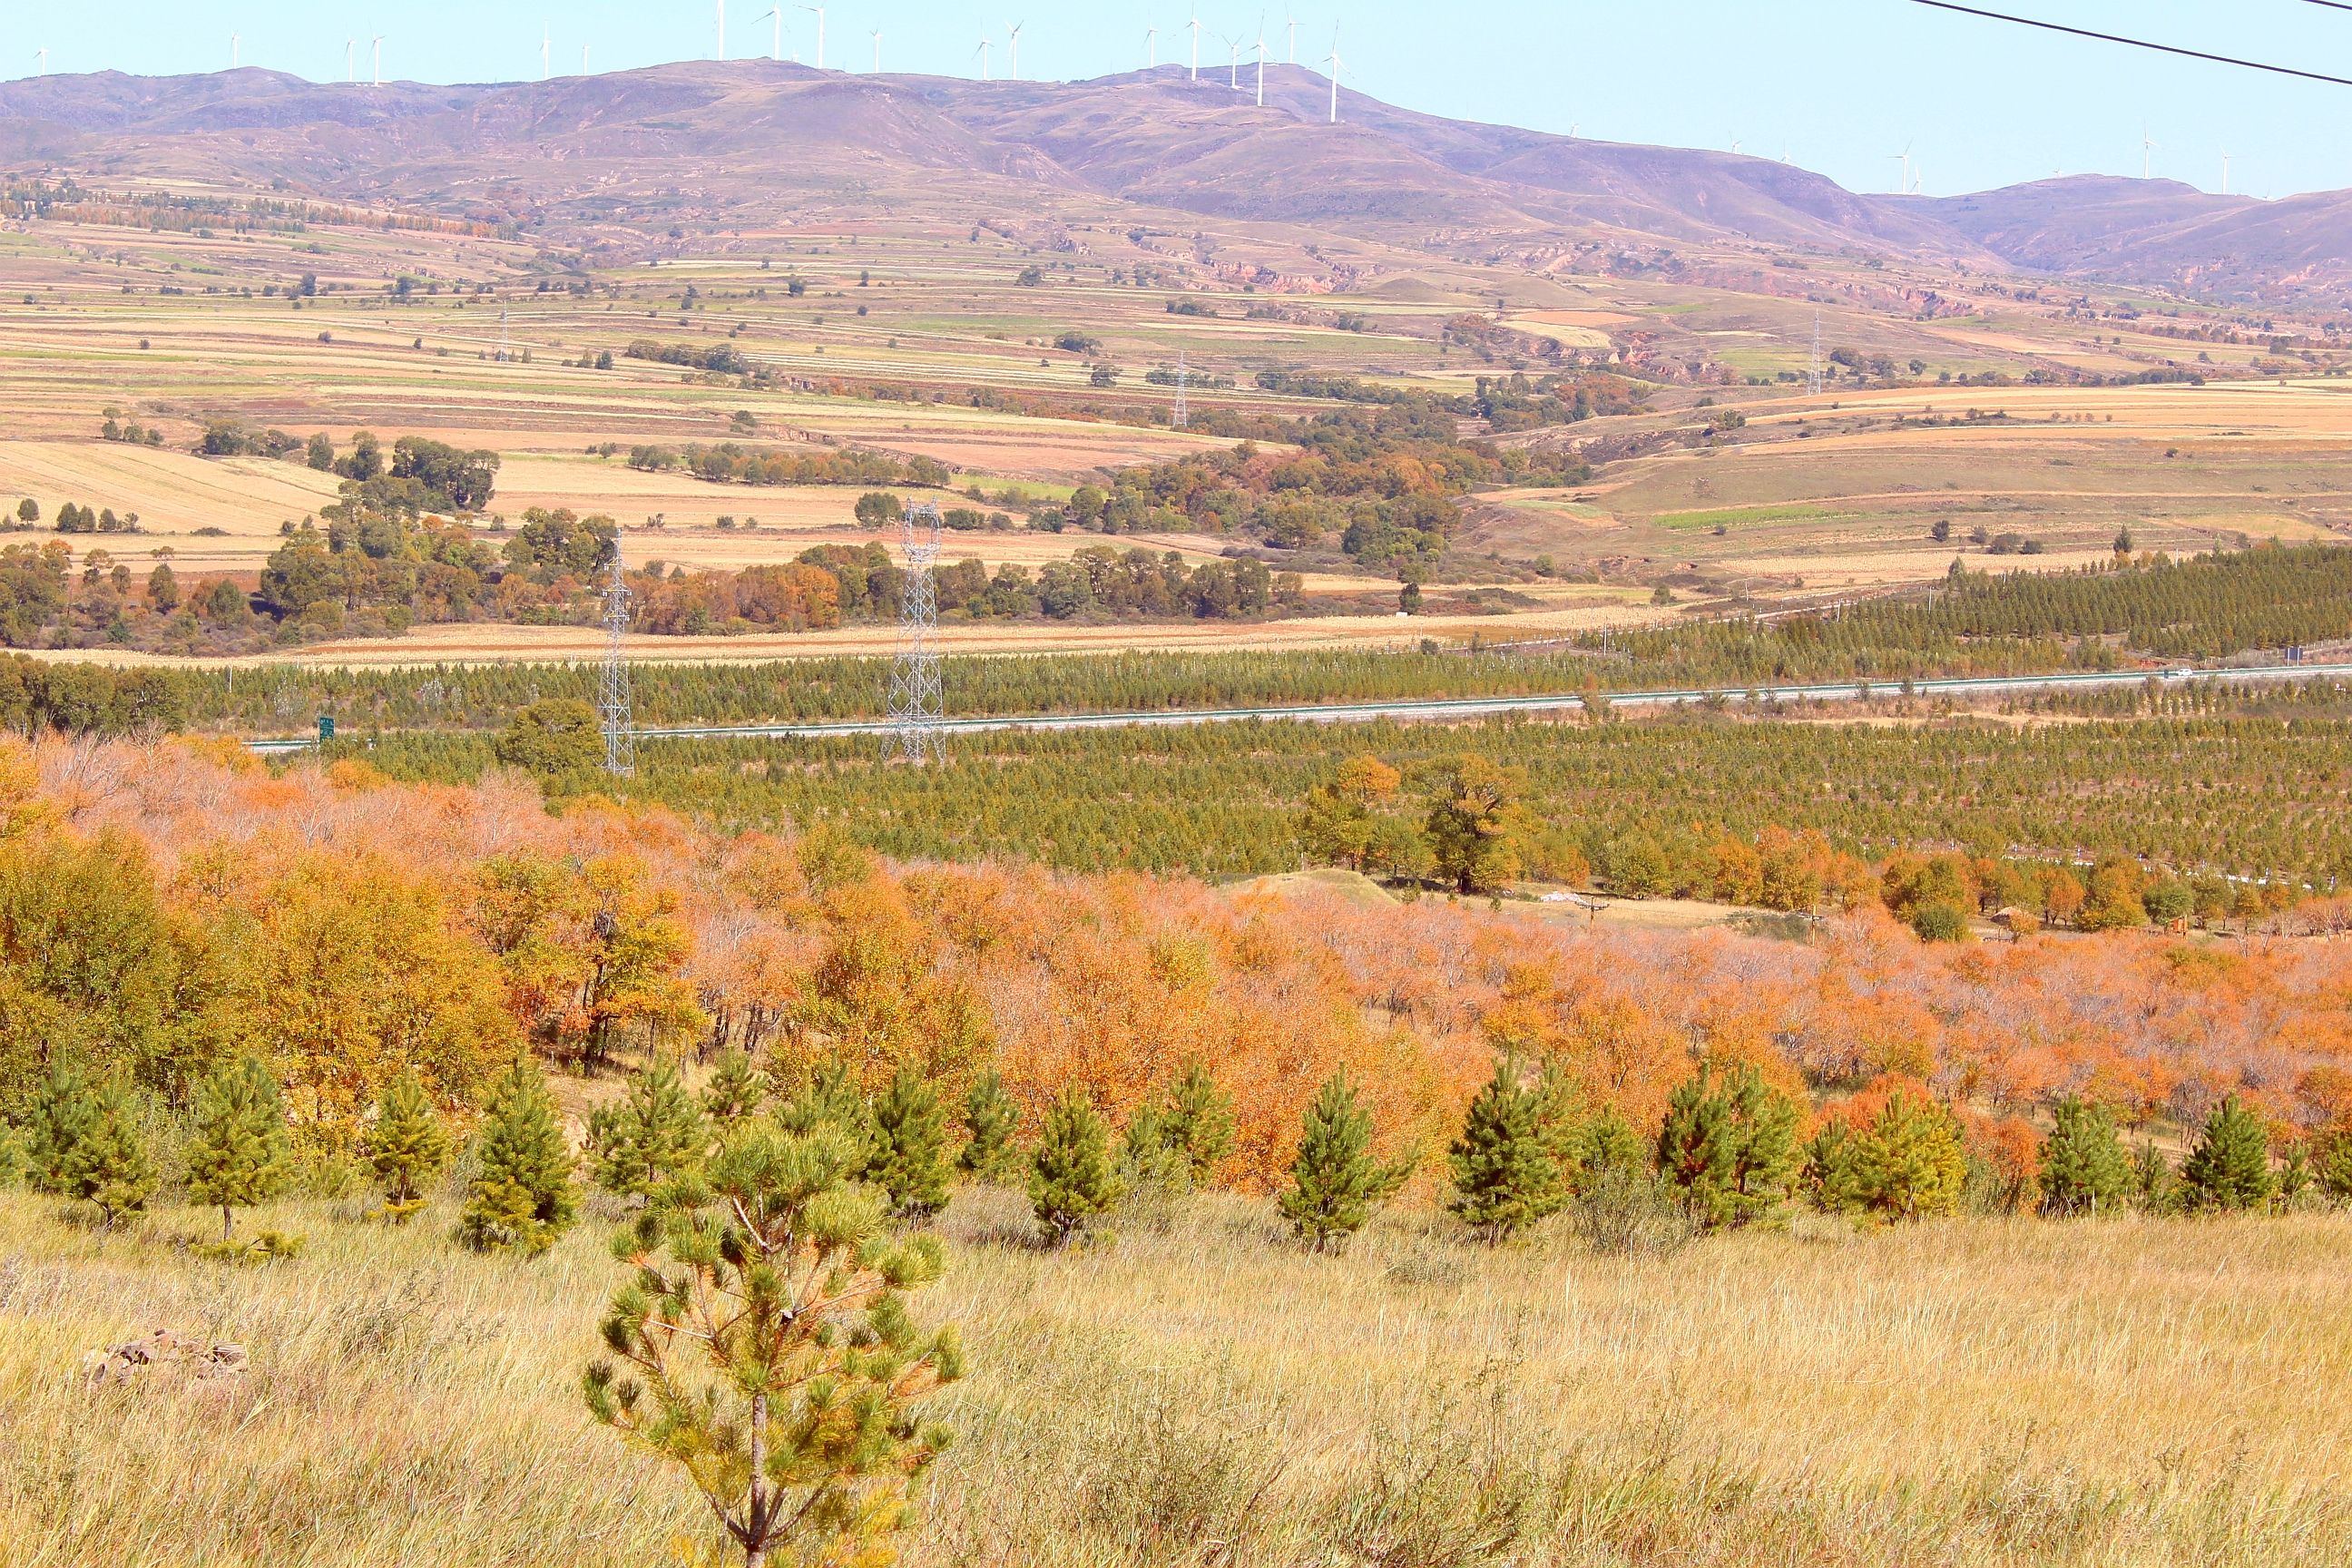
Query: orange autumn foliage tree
x=344 y=926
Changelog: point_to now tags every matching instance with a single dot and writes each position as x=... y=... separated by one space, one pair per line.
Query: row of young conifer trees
x=1728 y=1154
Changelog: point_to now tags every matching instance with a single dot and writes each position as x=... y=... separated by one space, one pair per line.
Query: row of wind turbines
x=774 y=15
x=1233 y=55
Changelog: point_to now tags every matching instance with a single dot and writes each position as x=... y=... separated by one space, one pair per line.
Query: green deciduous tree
x=1335 y=1182
x=1072 y=1181
x=1727 y=1148
x=990 y=1120
x=1477 y=827
x=2083 y=1167
x=763 y=1342
x=522 y=1198
x=406 y=1147
x=908 y=1157
x=2231 y=1166
x=241 y=1154
x=1505 y=1177
x=651 y=1139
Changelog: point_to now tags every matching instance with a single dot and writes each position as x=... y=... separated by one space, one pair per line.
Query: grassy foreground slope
x=1976 y=1393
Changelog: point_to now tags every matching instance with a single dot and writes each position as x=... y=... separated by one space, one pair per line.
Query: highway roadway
x=1470 y=707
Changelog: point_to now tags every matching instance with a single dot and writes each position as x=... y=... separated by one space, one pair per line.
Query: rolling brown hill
x=756 y=141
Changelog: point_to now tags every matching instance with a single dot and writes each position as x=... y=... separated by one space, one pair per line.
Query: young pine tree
x=1607 y=1143
x=989 y=1120
x=1505 y=1179
x=107 y=1165
x=407 y=1147
x=2332 y=1161
x=1335 y=1182
x=833 y=1098
x=2231 y=1166
x=1915 y=1160
x=650 y=1141
x=1071 y=1179
x=909 y=1158
x=1150 y=1159
x=15 y=1159
x=1198 y=1122
x=2083 y=1167
x=763 y=1342
x=64 y=1110
x=241 y=1155
x=1727 y=1147
x=522 y=1198
x=736 y=1089
x=2154 y=1187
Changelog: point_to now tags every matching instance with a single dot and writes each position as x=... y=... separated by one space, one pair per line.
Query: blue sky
x=1841 y=86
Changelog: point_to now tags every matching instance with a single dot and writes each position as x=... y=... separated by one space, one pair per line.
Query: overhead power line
x=2331 y=5
x=2139 y=43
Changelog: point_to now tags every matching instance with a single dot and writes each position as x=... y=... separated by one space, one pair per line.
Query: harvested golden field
x=1971 y=1393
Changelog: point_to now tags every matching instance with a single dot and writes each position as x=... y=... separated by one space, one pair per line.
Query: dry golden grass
x=1979 y=1392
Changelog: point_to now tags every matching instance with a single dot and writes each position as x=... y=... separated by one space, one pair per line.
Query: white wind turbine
x=878 y=51
x=1233 y=68
x=546 y=47
x=584 y=59
x=820 y=34
x=1150 y=48
x=375 y=62
x=982 y=53
x=776 y=45
x=722 y=29
x=1333 y=61
x=1903 y=187
x=1260 y=61
x=2146 y=151
x=42 y=54
x=2225 y=170
x=234 y=41
x=350 y=62
x=1291 y=22
x=1012 y=32
x=1195 y=25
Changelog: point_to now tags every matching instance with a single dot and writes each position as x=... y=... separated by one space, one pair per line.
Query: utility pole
x=612 y=695
x=916 y=702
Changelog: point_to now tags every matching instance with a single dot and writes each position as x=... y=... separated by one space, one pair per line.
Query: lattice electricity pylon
x=612 y=695
x=916 y=704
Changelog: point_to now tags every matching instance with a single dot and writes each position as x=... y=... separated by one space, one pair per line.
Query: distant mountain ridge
x=568 y=151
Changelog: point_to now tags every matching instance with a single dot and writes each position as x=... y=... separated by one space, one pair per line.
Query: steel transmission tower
x=916 y=701
x=612 y=698
x=1178 y=419
x=1813 y=380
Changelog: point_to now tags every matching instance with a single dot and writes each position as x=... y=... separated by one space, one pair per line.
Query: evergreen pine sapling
x=64 y=1110
x=1563 y=1125
x=2295 y=1175
x=2083 y=1167
x=2332 y=1161
x=1199 y=1122
x=1727 y=1147
x=15 y=1160
x=763 y=1342
x=407 y=1147
x=1071 y=1179
x=1912 y=1159
x=650 y=1141
x=1608 y=1143
x=108 y=1165
x=1150 y=1159
x=989 y=1120
x=2154 y=1186
x=1335 y=1182
x=831 y=1098
x=522 y=1198
x=909 y=1158
x=241 y=1154
x=736 y=1089
x=1505 y=1179
x=2231 y=1166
